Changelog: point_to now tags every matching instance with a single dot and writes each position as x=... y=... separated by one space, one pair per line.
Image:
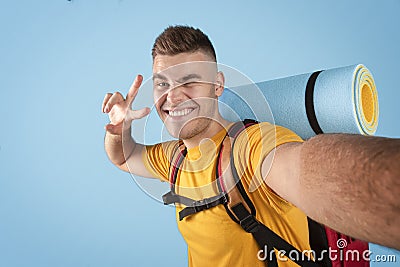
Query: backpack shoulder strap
x=193 y=206
x=178 y=155
x=228 y=180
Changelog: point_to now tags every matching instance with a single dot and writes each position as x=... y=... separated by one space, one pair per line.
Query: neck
x=216 y=125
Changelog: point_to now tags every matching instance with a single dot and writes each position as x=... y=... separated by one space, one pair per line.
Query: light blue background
x=62 y=203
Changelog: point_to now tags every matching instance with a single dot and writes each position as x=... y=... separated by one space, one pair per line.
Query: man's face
x=185 y=90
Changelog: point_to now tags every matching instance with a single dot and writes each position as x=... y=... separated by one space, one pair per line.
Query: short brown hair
x=182 y=39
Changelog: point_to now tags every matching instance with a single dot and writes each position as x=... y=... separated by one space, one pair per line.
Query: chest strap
x=194 y=206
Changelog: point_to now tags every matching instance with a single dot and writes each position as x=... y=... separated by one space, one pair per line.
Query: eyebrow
x=181 y=80
x=159 y=76
x=189 y=77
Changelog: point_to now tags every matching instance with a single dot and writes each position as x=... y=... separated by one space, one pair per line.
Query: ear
x=220 y=83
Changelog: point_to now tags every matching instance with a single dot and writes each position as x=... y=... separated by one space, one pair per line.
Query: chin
x=181 y=133
x=189 y=129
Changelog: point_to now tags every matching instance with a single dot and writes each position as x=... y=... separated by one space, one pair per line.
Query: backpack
x=349 y=252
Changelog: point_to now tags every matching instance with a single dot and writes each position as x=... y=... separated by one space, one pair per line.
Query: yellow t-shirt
x=213 y=238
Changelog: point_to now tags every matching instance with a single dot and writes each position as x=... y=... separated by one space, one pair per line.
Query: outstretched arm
x=118 y=142
x=350 y=183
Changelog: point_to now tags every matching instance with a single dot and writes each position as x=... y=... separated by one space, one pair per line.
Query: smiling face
x=186 y=88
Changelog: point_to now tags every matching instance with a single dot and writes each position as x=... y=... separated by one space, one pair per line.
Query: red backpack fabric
x=350 y=252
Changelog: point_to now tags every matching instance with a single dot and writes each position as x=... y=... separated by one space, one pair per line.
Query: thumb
x=137 y=114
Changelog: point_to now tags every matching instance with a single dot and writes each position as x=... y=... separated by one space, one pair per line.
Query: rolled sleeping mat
x=340 y=100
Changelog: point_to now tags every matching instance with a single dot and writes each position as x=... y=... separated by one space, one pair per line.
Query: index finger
x=134 y=89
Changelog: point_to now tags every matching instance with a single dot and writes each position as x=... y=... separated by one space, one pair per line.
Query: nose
x=175 y=95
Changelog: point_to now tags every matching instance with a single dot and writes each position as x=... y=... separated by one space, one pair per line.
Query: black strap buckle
x=200 y=205
x=224 y=197
x=250 y=224
x=208 y=203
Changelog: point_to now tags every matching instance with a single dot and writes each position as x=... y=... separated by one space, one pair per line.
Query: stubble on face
x=197 y=123
x=201 y=99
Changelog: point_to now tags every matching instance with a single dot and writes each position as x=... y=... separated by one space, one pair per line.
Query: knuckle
x=118 y=94
x=117 y=97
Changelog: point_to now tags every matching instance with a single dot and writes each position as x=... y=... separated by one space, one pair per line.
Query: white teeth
x=182 y=112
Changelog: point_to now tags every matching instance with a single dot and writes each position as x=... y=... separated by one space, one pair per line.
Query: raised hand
x=119 y=109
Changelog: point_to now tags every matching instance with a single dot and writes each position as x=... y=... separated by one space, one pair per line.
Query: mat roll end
x=366 y=100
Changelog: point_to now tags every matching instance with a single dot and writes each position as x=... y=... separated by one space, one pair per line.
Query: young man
x=348 y=182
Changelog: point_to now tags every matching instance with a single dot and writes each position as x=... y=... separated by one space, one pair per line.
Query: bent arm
x=120 y=147
x=126 y=154
x=350 y=183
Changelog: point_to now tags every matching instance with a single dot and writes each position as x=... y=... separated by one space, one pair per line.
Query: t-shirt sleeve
x=251 y=148
x=157 y=158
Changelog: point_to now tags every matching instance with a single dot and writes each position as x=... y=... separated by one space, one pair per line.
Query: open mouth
x=179 y=112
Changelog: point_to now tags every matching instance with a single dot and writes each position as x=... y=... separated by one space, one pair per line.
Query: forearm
x=352 y=184
x=118 y=149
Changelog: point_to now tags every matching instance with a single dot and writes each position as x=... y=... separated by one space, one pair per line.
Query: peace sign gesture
x=119 y=108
